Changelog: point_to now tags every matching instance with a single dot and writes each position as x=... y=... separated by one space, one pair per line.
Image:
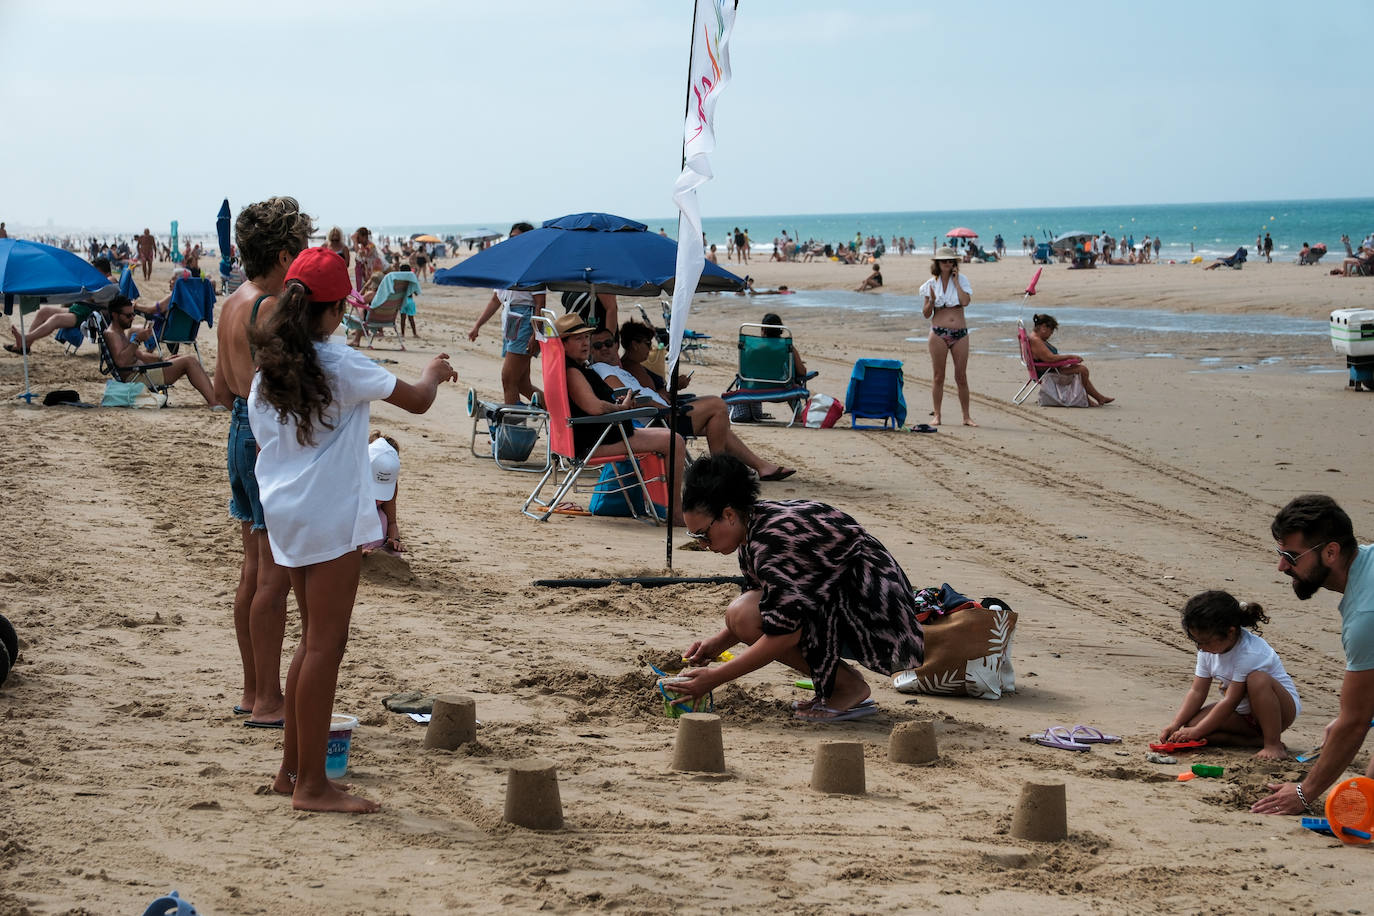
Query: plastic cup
x=340 y=741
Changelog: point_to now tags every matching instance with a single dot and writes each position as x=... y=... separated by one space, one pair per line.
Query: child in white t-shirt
x=384 y=454
x=309 y=408
x=1258 y=699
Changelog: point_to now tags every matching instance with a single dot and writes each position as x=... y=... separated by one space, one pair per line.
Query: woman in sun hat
x=946 y=295
x=309 y=408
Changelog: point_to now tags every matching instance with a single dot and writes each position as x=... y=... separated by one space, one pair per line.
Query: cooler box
x=1352 y=331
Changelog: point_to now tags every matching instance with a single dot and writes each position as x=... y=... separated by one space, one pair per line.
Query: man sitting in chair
x=126 y=350
x=707 y=417
x=49 y=319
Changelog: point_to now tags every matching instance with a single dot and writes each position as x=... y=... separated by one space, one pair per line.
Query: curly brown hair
x=292 y=380
x=264 y=230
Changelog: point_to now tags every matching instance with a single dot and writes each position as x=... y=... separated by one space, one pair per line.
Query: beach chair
x=1035 y=371
x=385 y=310
x=512 y=432
x=1237 y=260
x=875 y=393
x=694 y=343
x=1313 y=255
x=766 y=374
x=192 y=304
x=71 y=339
x=95 y=327
x=1044 y=254
x=569 y=466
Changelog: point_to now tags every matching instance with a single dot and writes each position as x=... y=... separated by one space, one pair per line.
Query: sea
x=1208 y=229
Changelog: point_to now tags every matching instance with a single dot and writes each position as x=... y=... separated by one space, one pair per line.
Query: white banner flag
x=710 y=71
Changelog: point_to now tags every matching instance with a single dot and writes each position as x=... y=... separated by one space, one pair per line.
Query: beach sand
x=127 y=774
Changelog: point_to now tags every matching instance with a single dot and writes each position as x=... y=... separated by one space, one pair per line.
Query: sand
x=126 y=773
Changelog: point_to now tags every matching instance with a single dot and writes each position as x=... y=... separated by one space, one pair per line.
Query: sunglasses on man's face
x=604 y=345
x=1292 y=558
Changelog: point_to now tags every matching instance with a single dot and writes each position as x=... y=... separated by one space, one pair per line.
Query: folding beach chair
x=570 y=465
x=766 y=371
x=875 y=393
x=193 y=304
x=512 y=433
x=95 y=327
x=385 y=310
x=1237 y=260
x=1035 y=370
x=693 y=342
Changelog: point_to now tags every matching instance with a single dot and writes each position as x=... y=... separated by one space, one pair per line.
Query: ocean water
x=1208 y=229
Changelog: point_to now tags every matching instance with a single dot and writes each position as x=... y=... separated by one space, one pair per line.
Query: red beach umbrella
x=961 y=233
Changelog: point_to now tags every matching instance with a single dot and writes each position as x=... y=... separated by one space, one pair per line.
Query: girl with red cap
x=309 y=408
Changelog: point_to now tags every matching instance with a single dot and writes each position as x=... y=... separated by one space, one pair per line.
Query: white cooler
x=1352 y=331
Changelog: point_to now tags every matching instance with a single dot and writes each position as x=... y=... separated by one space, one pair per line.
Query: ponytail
x=1217 y=611
x=292 y=380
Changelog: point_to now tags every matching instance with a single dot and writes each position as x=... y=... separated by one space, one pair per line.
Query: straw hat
x=946 y=253
x=570 y=324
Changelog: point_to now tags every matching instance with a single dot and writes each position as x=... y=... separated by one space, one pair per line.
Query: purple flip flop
x=1086 y=734
x=1058 y=736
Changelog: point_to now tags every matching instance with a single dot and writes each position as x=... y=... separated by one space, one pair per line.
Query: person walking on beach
x=147 y=250
x=1317 y=549
x=309 y=408
x=269 y=235
x=946 y=295
x=518 y=309
x=1268 y=249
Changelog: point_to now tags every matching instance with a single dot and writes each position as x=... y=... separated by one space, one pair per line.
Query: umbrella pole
x=24 y=344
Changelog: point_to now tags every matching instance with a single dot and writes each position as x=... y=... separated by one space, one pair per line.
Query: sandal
x=1058 y=737
x=1086 y=734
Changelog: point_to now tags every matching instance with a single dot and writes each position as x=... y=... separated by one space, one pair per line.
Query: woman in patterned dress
x=818 y=588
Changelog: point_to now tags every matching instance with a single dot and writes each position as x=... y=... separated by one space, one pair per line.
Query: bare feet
x=1272 y=752
x=1101 y=401
x=332 y=799
x=936 y=420
x=968 y=421
x=285 y=784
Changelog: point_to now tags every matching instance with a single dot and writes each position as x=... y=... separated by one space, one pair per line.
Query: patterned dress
x=821 y=573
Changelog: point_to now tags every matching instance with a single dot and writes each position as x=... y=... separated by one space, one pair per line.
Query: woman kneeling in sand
x=1042 y=351
x=818 y=588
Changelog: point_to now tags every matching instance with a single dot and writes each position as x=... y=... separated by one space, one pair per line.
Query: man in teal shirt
x=1317 y=549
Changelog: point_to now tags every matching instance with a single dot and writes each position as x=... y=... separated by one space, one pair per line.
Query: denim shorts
x=518 y=331
x=244 y=504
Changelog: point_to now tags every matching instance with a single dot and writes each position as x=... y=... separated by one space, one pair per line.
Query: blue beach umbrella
x=222 y=223
x=593 y=252
x=46 y=274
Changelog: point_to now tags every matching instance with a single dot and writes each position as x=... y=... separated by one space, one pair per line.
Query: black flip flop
x=276 y=723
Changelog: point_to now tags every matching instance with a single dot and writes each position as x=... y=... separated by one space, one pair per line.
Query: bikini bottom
x=950 y=336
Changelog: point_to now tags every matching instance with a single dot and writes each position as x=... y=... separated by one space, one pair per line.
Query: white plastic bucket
x=340 y=742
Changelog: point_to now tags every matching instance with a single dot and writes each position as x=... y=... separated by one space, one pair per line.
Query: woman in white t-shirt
x=946 y=295
x=1258 y=699
x=309 y=409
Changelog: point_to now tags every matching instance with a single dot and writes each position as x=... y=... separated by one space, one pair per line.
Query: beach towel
x=402 y=281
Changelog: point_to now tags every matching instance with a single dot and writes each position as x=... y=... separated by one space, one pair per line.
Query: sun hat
x=386 y=464
x=570 y=324
x=946 y=253
x=324 y=274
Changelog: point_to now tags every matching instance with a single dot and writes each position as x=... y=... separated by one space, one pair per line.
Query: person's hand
x=703 y=651
x=1185 y=734
x=1165 y=733
x=472 y=335
x=1284 y=800
x=440 y=370
x=701 y=682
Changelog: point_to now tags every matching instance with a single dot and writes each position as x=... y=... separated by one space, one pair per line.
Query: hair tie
x=1245 y=605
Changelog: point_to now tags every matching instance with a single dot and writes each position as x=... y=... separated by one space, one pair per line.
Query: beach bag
x=606 y=501
x=513 y=443
x=127 y=394
x=822 y=411
x=1062 y=391
x=968 y=653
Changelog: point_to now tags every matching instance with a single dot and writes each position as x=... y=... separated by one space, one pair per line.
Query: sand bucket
x=340 y=742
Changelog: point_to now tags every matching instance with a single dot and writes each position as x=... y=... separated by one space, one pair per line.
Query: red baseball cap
x=324 y=274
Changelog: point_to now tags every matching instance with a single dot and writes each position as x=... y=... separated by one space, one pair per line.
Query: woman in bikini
x=946 y=295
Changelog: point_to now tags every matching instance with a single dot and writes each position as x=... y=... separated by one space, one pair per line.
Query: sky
x=124 y=115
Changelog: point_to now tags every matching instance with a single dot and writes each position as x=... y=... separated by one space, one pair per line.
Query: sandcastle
x=532 y=798
x=839 y=768
x=1040 y=813
x=453 y=722
x=699 y=747
x=913 y=742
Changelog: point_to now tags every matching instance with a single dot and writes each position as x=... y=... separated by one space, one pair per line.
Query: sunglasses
x=604 y=345
x=1292 y=558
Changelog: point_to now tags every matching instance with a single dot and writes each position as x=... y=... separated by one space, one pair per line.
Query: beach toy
x=839 y=768
x=804 y=683
x=1317 y=825
x=452 y=722
x=1185 y=776
x=1207 y=770
x=1350 y=810
x=532 y=798
x=1173 y=747
x=699 y=748
x=340 y=742
x=676 y=704
x=170 y=905
x=1041 y=813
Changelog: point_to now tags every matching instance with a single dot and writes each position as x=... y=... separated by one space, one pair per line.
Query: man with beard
x=1317 y=549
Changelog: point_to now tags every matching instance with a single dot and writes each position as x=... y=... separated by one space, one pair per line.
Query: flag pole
x=672 y=370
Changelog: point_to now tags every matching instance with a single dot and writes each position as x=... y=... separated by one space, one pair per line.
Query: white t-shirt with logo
x=1250 y=653
x=317 y=499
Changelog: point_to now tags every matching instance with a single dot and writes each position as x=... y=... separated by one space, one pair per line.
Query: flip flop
x=13 y=349
x=924 y=428
x=275 y=723
x=1170 y=747
x=240 y=711
x=569 y=509
x=1057 y=736
x=1086 y=734
x=798 y=705
x=828 y=715
x=779 y=474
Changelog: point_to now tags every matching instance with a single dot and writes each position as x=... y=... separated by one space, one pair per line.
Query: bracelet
x=1301 y=797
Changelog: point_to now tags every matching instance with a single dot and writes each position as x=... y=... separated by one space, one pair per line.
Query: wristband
x=1301 y=797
